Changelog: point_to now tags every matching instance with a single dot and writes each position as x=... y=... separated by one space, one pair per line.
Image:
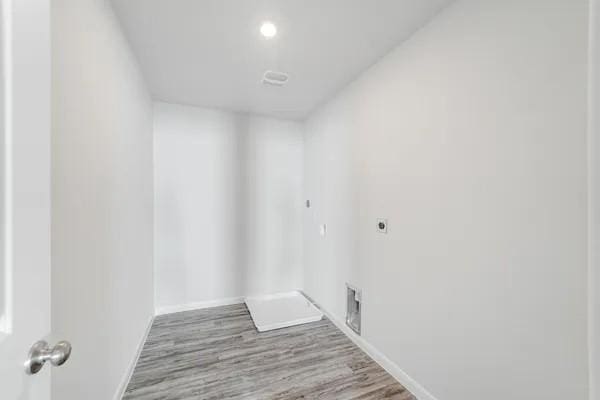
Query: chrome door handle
x=41 y=352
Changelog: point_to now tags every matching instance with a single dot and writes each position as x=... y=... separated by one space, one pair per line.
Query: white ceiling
x=211 y=53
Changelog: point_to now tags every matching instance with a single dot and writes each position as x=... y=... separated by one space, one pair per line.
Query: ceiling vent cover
x=275 y=78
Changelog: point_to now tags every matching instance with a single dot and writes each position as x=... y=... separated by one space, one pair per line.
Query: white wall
x=228 y=194
x=3 y=78
x=594 y=199
x=102 y=195
x=471 y=139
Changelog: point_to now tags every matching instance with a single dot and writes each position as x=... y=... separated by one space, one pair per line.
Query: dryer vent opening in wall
x=275 y=78
x=353 y=308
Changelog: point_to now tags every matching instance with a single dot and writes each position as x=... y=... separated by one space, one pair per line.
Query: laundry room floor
x=217 y=353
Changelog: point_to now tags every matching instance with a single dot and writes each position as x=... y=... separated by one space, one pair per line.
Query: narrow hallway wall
x=102 y=200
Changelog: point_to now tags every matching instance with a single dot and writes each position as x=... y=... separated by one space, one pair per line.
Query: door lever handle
x=41 y=352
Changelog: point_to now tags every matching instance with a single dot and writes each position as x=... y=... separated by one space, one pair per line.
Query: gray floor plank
x=218 y=354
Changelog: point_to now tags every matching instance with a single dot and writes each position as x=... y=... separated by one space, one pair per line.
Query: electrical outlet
x=382 y=225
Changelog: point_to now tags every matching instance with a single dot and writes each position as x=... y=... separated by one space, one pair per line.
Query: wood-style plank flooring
x=218 y=354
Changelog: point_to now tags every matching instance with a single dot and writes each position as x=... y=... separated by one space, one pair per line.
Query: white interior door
x=25 y=195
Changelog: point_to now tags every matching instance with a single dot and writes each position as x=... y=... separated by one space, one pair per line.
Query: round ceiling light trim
x=268 y=30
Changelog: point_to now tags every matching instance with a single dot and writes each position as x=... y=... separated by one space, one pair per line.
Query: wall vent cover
x=275 y=78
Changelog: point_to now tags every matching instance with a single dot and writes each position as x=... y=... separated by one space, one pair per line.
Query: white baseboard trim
x=199 y=305
x=392 y=368
x=123 y=385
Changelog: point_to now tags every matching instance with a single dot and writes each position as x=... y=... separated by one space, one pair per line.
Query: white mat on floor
x=281 y=310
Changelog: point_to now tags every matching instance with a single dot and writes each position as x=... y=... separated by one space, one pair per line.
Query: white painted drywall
x=228 y=195
x=594 y=200
x=102 y=200
x=3 y=94
x=471 y=139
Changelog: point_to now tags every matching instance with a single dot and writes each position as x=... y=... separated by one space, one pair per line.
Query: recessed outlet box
x=353 y=308
x=382 y=225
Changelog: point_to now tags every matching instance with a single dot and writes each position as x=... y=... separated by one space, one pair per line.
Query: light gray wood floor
x=218 y=354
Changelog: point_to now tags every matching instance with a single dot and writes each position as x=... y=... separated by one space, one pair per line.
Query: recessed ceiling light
x=268 y=29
